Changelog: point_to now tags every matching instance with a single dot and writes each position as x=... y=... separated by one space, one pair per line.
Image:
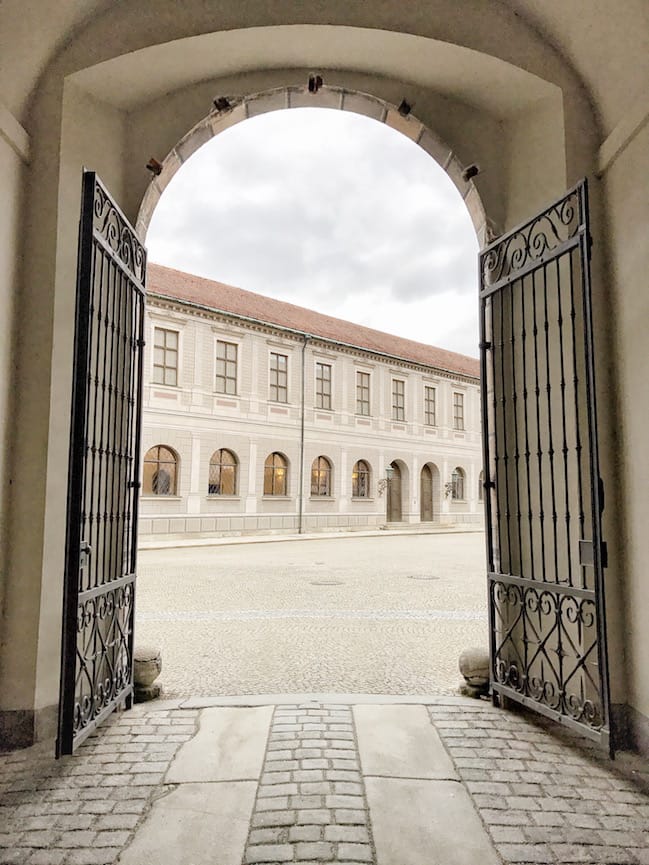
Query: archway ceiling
x=607 y=42
x=481 y=81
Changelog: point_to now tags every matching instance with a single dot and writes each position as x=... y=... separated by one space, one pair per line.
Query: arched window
x=321 y=477
x=160 y=472
x=360 y=480
x=457 y=484
x=481 y=487
x=223 y=474
x=275 y=474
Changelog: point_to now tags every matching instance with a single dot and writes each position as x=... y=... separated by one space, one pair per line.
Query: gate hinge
x=141 y=343
x=134 y=485
x=484 y=346
x=489 y=485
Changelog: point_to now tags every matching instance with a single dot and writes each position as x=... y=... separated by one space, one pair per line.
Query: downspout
x=306 y=338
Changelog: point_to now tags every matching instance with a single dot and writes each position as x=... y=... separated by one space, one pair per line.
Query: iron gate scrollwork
x=101 y=534
x=543 y=493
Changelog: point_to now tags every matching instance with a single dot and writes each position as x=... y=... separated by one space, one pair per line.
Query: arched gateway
x=512 y=91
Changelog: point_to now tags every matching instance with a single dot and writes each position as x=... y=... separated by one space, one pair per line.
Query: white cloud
x=332 y=211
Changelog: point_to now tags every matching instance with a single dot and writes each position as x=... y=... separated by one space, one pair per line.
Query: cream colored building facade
x=357 y=411
x=537 y=94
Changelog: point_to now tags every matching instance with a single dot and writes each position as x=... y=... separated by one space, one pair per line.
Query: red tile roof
x=166 y=282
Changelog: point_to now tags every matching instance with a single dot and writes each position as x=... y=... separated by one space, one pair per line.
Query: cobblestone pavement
x=311 y=799
x=386 y=615
x=82 y=810
x=543 y=794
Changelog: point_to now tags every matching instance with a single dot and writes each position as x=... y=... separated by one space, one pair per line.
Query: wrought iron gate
x=543 y=492
x=101 y=535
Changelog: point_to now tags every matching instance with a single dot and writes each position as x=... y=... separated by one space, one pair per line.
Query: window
x=223 y=474
x=429 y=406
x=481 y=487
x=360 y=480
x=321 y=477
x=226 y=367
x=165 y=356
x=323 y=385
x=160 y=472
x=458 y=411
x=457 y=484
x=398 y=399
x=278 y=377
x=275 y=472
x=363 y=393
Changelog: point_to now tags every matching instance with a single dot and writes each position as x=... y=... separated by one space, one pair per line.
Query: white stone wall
x=196 y=421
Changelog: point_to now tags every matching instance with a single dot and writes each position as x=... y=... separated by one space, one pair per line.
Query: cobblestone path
x=544 y=794
x=311 y=804
x=84 y=809
x=326 y=782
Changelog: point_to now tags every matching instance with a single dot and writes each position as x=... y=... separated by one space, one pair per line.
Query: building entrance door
x=394 y=514
x=426 y=495
x=542 y=485
x=104 y=465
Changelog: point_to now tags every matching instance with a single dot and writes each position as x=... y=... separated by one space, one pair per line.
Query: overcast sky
x=332 y=211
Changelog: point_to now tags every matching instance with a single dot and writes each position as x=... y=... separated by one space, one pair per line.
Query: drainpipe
x=306 y=338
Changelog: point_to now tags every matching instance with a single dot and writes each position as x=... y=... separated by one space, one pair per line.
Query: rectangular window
x=398 y=399
x=429 y=406
x=363 y=393
x=323 y=385
x=458 y=411
x=226 y=367
x=165 y=356
x=278 y=377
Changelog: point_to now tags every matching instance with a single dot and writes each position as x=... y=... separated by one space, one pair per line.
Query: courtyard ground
x=386 y=614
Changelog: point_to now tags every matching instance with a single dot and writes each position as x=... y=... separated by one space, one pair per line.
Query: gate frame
x=67 y=741
x=597 y=551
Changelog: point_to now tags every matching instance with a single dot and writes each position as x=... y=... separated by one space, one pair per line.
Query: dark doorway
x=394 y=495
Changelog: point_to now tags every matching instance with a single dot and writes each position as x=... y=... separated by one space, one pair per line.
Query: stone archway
x=397 y=117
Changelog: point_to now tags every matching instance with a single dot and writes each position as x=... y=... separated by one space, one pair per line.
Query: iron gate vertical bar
x=595 y=479
x=485 y=347
x=76 y=475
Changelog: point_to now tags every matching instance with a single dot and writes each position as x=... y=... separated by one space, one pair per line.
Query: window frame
x=227 y=362
x=173 y=461
x=280 y=389
x=458 y=484
x=321 y=467
x=398 y=399
x=357 y=474
x=428 y=413
x=164 y=329
x=221 y=465
x=274 y=472
x=458 y=416
x=363 y=393
x=321 y=386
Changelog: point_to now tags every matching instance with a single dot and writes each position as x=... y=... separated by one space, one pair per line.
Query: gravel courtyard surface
x=385 y=615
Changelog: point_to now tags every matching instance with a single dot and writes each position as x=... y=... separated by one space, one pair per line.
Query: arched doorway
x=394 y=507
x=429 y=493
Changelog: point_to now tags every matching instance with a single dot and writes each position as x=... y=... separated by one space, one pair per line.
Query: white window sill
x=151 y=497
x=221 y=498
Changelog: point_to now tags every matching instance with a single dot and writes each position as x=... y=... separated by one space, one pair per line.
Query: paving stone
x=268 y=853
x=356 y=834
x=305 y=833
x=317 y=850
x=273 y=818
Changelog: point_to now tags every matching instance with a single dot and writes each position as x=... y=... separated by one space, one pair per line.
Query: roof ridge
x=239 y=301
